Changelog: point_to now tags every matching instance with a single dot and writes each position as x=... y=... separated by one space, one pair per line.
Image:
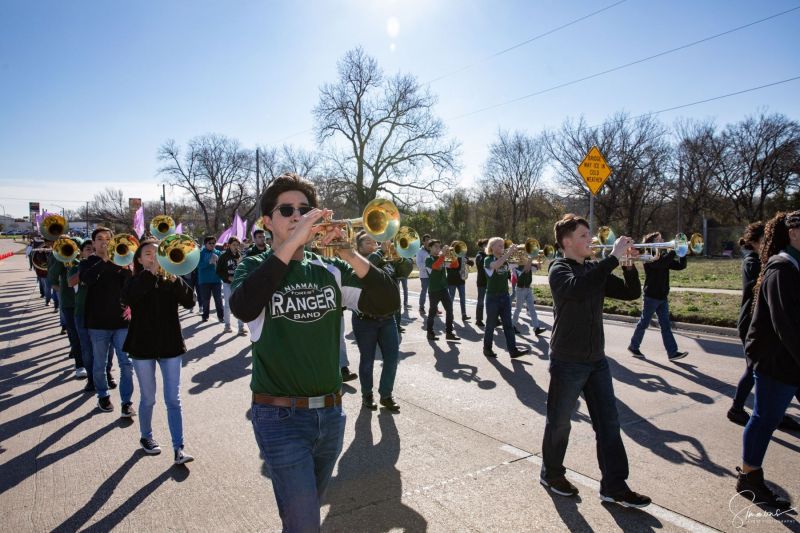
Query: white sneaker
x=80 y=373
x=182 y=457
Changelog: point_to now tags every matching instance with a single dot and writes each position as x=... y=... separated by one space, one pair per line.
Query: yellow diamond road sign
x=594 y=170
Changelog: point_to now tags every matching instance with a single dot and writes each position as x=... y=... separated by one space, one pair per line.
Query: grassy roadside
x=691 y=307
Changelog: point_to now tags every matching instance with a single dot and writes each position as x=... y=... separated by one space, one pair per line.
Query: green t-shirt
x=437 y=279
x=295 y=339
x=57 y=274
x=496 y=280
x=80 y=295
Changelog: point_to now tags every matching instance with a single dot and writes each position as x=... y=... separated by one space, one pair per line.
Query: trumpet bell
x=549 y=251
x=532 y=247
x=161 y=226
x=606 y=235
x=66 y=250
x=681 y=245
x=381 y=219
x=121 y=249
x=459 y=248
x=53 y=226
x=178 y=254
x=696 y=244
x=407 y=242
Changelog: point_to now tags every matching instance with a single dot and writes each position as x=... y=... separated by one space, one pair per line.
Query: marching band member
x=437 y=290
x=525 y=296
x=498 y=302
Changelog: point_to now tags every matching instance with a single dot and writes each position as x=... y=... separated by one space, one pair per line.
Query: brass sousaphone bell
x=121 y=248
x=178 y=254
x=53 y=227
x=161 y=226
x=66 y=250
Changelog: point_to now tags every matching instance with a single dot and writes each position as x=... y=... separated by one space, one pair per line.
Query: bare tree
x=215 y=171
x=638 y=152
x=381 y=133
x=515 y=165
x=760 y=159
x=111 y=207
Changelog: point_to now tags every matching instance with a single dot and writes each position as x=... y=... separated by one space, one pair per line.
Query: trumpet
x=66 y=250
x=121 y=249
x=523 y=252
x=380 y=219
x=161 y=226
x=404 y=246
x=458 y=249
x=603 y=242
x=53 y=227
x=178 y=255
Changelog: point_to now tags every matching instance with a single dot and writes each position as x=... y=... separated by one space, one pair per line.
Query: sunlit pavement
x=462 y=455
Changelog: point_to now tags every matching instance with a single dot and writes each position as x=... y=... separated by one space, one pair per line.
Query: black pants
x=434 y=298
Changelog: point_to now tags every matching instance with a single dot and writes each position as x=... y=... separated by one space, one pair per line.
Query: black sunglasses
x=288 y=210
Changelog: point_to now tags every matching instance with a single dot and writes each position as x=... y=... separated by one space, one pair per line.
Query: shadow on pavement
x=225 y=371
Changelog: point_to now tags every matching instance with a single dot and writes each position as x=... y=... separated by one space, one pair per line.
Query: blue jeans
x=593 y=380
x=86 y=348
x=49 y=292
x=146 y=376
x=300 y=448
x=423 y=291
x=772 y=399
x=451 y=289
x=68 y=320
x=102 y=340
x=404 y=283
x=498 y=305
x=525 y=299
x=660 y=308
x=479 y=307
x=206 y=291
x=369 y=335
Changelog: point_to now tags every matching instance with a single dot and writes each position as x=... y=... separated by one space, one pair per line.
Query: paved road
x=463 y=454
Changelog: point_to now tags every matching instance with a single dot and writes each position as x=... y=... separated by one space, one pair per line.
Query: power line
x=626 y=65
x=527 y=41
x=495 y=54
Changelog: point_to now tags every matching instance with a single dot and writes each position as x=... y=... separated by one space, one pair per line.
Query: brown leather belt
x=301 y=402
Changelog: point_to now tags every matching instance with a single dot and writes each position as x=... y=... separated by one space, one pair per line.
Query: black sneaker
x=432 y=336
x=112 y=383
x=628 y=499
x=517 y=331
x=489 y=353
x=678 y=355
x=738 y=416
x=150 y=446
x=480 y=324
x=104 y=404
x=390 y=404
x=518 y=352
x=89 y=387
x=788 y=423
x=347 y=375
x=452 y=336
x=560 y=486
x=636 y=353
x=421 y=311
x=753 y=487
x=465 y=318
x=127 y=410
x=181 y=457
x=368 y=402
x=539 y=331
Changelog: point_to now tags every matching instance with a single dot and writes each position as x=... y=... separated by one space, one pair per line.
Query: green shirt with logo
x=437 y=278
x=295 y=339
x=496 y=280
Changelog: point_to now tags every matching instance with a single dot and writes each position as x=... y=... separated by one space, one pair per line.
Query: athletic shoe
x=127 y=410
x=227 y=329
x=452 y=336
x=636 y=353
x=678 y=355
x=539 y=331
x=368 y=402
x=421 y=311
x=390 y=404
x=518 y=352
x=242 y=333
x=560 y=486
x=432 y=336
x=150 y=446
x=104 y=404
x=753 y=487
x=181 y=457
x=465 y=318
x=80 y=373
x=480 y=324
x=347 y=375
x=489 y=353
x=738 y=416
x=628 y=499
x=89 y=387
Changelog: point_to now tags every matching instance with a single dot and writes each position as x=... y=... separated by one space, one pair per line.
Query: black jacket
x=454 y=274
x=104 y=281
x=656 y=274
x=479 y=259
x=751 y=268
x=578 y=292
x=155 y=329
x=226 y=265
x=773 y=340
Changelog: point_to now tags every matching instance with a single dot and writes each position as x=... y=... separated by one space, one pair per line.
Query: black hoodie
x=578 y=293
x=751 y=268
x=773 y=340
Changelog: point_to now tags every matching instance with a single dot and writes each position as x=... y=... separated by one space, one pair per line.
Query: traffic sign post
x=594 y=171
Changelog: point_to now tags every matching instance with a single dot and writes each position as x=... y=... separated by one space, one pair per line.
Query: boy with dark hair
x=259 y=245
x=480 y=257
x=578 y=363
x=437 y=289
x=226 y=266
x=292 y=301
x=656 y=292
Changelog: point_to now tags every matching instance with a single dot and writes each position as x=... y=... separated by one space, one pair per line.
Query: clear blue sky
x=90 y=89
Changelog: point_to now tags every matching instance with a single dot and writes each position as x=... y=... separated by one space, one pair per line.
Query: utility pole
x=258 y=176
x=164 y=197
x=87 y=219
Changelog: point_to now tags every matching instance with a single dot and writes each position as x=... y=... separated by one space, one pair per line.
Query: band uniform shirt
x=437 y=277
x=294 y=313
x=524 y=279
x=496 y=280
